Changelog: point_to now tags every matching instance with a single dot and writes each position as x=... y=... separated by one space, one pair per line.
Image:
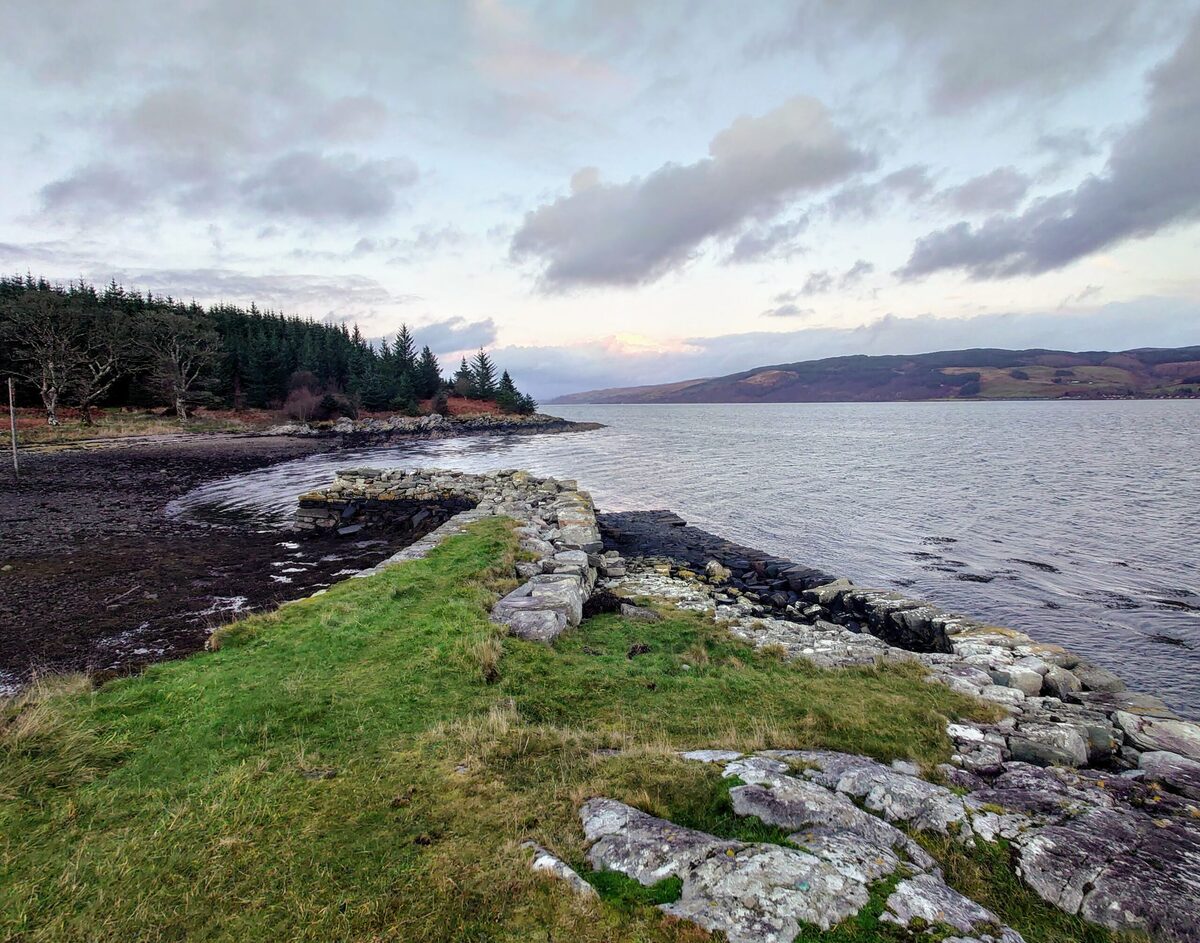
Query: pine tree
x=463 y=381
x=405 y=352
x=483 y=376
x=429 y=374
x=507 y=397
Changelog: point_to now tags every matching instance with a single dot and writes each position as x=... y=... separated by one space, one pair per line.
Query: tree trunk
x=181 y=409
x=85 y=413
x=50 y=401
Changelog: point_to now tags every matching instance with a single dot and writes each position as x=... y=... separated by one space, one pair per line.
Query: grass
x=32 y=429
x=364 y=766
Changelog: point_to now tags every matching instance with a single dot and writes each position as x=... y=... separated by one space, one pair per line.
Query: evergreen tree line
x=78 y=346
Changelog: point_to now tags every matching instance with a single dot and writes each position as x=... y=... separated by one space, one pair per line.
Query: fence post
x=12 y=421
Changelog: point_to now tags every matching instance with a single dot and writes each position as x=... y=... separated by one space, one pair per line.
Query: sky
x=614 y=192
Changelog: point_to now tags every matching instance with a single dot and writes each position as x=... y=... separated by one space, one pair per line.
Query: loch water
x=1077 y=522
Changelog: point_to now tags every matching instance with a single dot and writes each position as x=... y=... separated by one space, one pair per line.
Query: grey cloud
x=818 y=283
x=553 y=371
x=327 y=189
x=287 y=292
x=95 y=189
x=1068 y=145
x=776 y=241
x=789 y=309
x=1001 y=189
x=1149 y=183
x=865 y=200
x=976 y=52
x=634 y=232
x=856 y=273
x=457 y=334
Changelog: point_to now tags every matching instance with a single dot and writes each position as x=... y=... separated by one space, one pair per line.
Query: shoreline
x=1069 y=761
x=95 y=576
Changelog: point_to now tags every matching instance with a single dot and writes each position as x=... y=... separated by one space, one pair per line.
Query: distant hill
x=981 y=373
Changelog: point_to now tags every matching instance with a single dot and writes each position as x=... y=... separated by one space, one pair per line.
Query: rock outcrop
x=1098 y=789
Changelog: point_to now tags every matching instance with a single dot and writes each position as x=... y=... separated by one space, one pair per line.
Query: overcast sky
x=621 y=192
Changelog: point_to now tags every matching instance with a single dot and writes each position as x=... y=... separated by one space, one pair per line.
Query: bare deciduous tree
x=48 y=338
x=179 y=349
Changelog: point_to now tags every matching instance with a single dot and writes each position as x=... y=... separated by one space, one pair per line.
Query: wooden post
x=12 y=421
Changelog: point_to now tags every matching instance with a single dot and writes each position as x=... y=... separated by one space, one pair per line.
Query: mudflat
x=95 y=574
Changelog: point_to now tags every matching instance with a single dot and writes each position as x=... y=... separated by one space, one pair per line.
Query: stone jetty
x=1095 y=788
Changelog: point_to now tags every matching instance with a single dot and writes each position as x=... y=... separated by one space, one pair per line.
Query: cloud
x=1065 y=148
x=455 y=335
x=762 y=243
x=635 y=232
x=818 y=283
x=789 y=309
x=866 y=200
x=1001 y=189
x=333 y=298
x=98 y=189
x=327 y=189
x=1149 y=183
x=554 y=371
x=974 y=53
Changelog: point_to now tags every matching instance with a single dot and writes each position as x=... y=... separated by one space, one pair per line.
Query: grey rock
x=639 y=613
x=1121 y=869
x=1024 y=679
x=1095 y=678
x=1176 y=772
x=643 y=847
x=546 y=863
x=716 y=572
x=926 y=898
x=711 y=756
x=825 y=594
x=1049 y=745
x=764 y=893
x=811 y=810
x=1061 y=683
x=1152 y=733
x=526 y=570
x=852 y=854
x=533 y=625
x=1131 y=702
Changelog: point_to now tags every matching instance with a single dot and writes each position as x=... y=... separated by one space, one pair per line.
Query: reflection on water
x=1076 y=522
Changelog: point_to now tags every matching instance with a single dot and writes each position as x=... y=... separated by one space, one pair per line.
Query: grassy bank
x=364 y=765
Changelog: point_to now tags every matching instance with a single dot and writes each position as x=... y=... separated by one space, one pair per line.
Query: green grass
x=360 y=766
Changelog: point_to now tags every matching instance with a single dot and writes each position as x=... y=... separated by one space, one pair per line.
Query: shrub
x=334 y=405
x=302 y=404
x=1018 y=374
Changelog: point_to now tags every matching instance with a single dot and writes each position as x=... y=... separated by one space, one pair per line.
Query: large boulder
x=1153 y=733
x=1173 y=771
x=1122 y=869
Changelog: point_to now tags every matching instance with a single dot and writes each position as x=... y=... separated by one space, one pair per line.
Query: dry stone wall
x=557 y=529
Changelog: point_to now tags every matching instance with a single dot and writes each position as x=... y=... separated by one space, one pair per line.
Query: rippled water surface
x=1076 y=522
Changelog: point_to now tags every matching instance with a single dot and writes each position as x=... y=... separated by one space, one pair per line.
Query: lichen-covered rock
x=545 y=862
x=1122 y=869
x=641 y=846
x=1152 y=733
x=763 y=893
x=811 y=810
x=927 y=899
x=1172 y=770
x=1049 y=745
